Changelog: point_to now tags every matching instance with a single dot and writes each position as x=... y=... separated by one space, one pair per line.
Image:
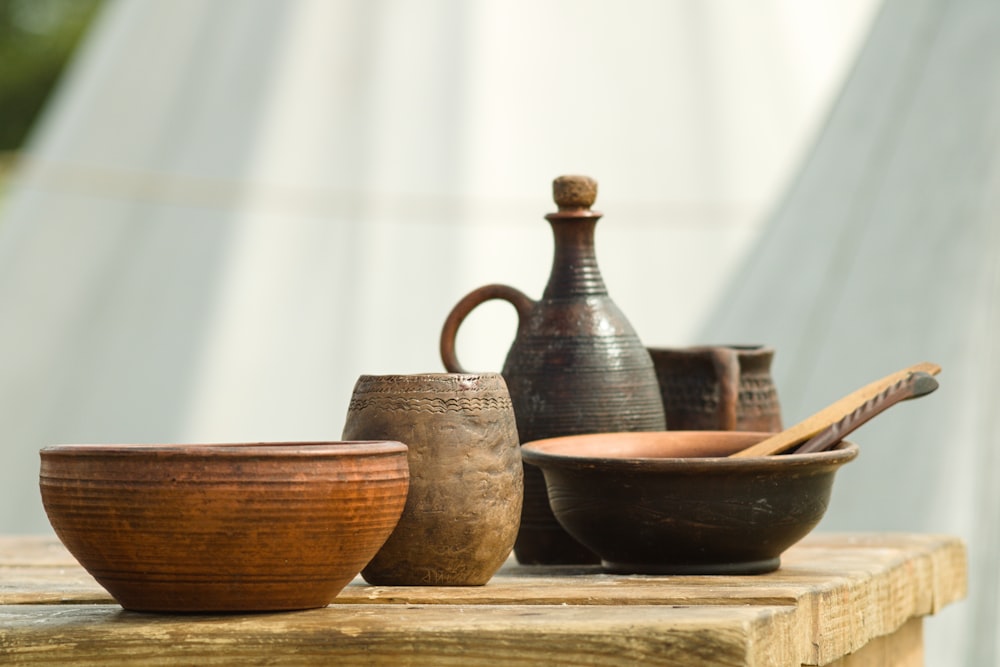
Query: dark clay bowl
x=218 y=528
x=671 y=502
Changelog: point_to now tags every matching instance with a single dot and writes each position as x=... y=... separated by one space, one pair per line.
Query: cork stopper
x=574 y=192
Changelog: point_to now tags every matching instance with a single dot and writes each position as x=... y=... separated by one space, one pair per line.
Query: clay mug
x=466 y=479
x=718 y=387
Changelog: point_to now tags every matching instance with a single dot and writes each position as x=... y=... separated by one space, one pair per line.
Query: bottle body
x=576 y=365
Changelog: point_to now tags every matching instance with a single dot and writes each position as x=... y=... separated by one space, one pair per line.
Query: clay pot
x=221 y=528
x=718 y=387
x=466 y=479
x=676 y=503
x=575 y=366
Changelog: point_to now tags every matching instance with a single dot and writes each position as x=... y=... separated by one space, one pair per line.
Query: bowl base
x=744 y=567
x=216 y=610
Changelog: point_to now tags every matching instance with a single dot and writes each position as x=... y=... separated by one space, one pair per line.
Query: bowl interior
x=652 y=444
x=674 y=448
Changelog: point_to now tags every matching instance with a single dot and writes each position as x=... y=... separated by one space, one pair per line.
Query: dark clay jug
x=576 y=365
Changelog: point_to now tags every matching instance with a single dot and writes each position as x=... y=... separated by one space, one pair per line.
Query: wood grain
x=838 y=599
x=411 y=635
x=903 y=648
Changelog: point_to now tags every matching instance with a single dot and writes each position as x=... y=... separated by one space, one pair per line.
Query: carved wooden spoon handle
x=810 y=426
x=914 y=385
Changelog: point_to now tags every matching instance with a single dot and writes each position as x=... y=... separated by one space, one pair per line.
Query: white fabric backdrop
x=235 y=207
x=884 y=252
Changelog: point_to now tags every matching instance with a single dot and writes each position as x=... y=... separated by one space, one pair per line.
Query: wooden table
x=846 y=600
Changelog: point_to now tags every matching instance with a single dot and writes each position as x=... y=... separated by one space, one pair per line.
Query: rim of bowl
x=433 y=375
x=741 y=347
x=290 y=448
x=534 y=453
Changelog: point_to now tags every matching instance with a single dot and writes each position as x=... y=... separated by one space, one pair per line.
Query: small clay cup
x=717 y=387
x=224 y=528
x=466 y=476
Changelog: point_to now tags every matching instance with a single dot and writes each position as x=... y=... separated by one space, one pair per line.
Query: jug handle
x=522 y=303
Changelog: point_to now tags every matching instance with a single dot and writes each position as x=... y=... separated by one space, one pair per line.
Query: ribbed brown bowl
x=234 y=527
x=672 y=502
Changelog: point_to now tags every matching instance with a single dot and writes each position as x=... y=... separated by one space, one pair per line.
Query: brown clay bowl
x=670 y=502
x=220 y=528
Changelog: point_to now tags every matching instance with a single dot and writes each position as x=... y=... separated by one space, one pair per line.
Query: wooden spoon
x=810 y=426
x=914 y=385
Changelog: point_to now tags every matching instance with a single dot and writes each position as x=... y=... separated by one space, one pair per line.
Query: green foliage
x=37 y=37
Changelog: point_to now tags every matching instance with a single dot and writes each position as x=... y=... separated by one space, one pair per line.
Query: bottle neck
x=574 y=264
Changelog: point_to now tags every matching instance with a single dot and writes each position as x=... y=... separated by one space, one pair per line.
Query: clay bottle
x=576 y=365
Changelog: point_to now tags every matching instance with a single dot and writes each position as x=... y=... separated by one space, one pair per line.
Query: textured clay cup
x=224 y=528
x=717 y=387
x=466 y=477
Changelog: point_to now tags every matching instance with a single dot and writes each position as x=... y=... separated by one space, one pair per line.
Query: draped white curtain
x=235 y=207
x=886 y=251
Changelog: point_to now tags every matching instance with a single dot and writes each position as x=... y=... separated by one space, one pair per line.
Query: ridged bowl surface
x=224 y=527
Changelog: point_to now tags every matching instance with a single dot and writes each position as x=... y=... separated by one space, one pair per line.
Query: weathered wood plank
x=405 y=635
x=37 y=550
x=903 y=648
x=846 y=594
x=938 y=562
x=49 y=585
